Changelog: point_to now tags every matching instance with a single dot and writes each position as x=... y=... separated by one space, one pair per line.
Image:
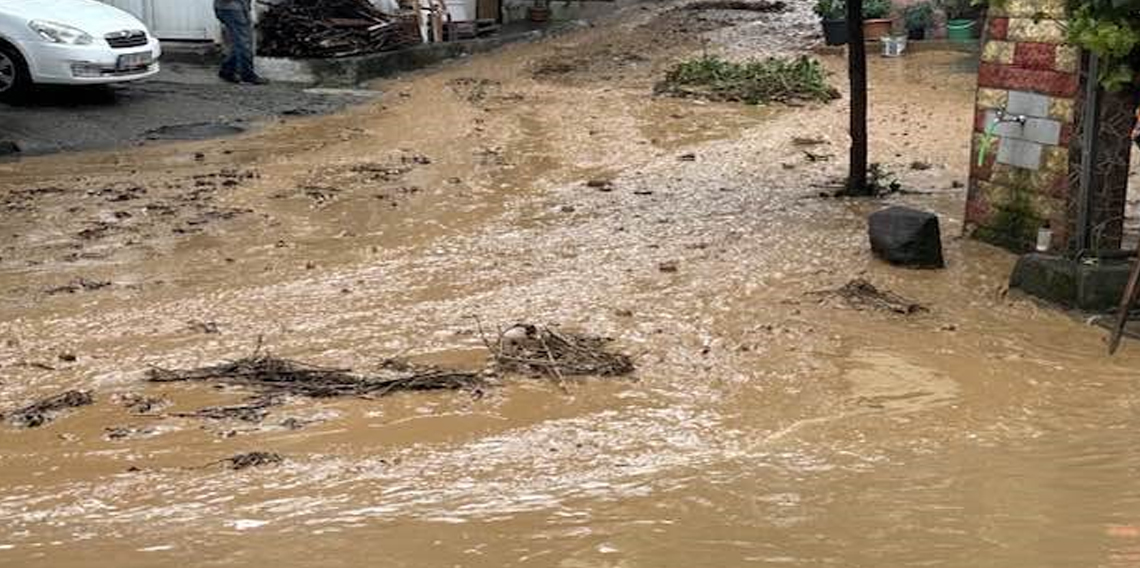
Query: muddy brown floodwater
x=766 y=425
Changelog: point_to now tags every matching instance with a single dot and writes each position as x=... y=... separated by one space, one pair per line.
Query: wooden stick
x=1126 y=303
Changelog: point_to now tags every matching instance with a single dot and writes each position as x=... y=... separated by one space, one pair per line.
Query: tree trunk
x=857 y=73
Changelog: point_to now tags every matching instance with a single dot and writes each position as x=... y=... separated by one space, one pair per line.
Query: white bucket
x=893 y=46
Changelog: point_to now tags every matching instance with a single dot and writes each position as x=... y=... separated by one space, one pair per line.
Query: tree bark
x=857 y=74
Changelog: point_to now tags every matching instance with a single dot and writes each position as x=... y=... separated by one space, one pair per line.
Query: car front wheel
x=14 y=78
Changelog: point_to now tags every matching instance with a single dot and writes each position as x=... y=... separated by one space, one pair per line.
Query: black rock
x=906 y=237
x=9 y=148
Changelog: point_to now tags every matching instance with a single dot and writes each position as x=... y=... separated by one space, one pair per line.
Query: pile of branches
x=538 y=350
x=44 y=411
x=742 y=5
x=332 y=28
x=521 y=349
x=252 y=459
x=274 y=376
x=861 y=294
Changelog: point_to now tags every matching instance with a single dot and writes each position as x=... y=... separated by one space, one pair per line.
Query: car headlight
x=60 y=33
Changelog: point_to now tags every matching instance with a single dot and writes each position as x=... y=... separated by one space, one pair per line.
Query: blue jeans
x=239 y=61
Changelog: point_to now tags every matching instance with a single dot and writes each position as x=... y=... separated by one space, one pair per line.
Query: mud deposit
x=765 y=424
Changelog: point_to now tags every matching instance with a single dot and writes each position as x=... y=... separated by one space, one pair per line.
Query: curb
x=352 y=71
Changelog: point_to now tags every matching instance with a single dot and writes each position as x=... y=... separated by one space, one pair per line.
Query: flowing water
x=766 y=424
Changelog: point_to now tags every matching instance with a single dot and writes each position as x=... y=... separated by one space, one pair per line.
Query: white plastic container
x=893 y=46
x=1044 y=238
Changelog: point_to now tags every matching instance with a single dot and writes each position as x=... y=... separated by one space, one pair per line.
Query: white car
x=71 y=42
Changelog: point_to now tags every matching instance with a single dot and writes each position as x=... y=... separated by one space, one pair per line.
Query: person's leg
x=228 y=18
x=243 y=47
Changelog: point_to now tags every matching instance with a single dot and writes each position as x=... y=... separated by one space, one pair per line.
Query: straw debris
x=861 y=294
x=544 y=351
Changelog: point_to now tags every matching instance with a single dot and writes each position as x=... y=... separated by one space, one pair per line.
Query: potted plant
x=539 y=12
x=962 y=19
x=876 y=23
x=918 y=17
x=833 y=16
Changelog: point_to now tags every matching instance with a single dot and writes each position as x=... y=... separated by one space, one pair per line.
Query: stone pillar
x=1028 y=73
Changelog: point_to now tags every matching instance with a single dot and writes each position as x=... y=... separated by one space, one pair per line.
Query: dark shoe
x=228 y=77
x=255 y=80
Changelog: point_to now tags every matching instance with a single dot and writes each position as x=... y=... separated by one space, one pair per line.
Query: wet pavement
x=767 y=424
x=183 y=102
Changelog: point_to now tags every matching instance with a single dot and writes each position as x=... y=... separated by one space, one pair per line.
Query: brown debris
x=545 y=351
x=78 y=285
x=861 y=294
x=44 y=411
x=743 y=5
x=603 y=185
x=253 y=411
x=474 y=89
x=252 y=459
x=141 y=404
x=117 y=433
x=272 y=375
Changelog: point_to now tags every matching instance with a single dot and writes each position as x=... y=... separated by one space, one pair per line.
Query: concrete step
x=193 y=52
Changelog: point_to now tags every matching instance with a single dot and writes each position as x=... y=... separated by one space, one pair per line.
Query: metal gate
x=175 y=19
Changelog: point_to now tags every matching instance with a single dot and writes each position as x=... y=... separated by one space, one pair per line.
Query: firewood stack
x=332 y=28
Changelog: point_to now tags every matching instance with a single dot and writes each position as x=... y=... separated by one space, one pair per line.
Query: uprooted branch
x=273 y=375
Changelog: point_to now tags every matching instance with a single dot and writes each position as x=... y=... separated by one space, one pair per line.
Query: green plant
x=1108 y=28
x=882 y=180
x=1015 y=222
x=754 y=81
x=831 y=9
x=918 y=16
x=962 y=9
x=876 y=9
x=1111 y=30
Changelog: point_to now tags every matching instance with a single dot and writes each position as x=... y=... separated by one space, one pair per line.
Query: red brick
x=1066 y=134
x=980 y=120
x=1038 y=80
x=1035 y=55
x=990 y=75
x=1066 y=85
x=977 y=208
x=1059 y=186
x=999 y=28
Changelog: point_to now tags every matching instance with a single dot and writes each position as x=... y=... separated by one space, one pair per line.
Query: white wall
x=175 y=19
x=516 y=10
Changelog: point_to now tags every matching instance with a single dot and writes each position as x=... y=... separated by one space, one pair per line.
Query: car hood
x=95 y=18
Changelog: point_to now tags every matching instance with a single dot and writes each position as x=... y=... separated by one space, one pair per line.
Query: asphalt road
x=182 y=102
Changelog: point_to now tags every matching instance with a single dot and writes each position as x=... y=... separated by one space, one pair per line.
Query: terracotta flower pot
x=538 y=14
x=875 y=29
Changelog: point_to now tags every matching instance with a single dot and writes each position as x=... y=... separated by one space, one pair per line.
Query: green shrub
x=876 y=9
x=754 y=81
x=831 y=9
x=918 y=16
